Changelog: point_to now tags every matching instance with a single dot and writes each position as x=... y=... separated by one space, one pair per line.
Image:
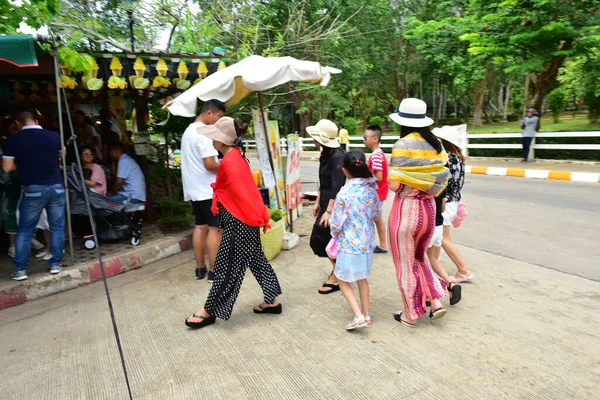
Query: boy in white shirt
x=199 y=166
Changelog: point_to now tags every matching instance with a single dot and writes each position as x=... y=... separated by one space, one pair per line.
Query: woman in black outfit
x=331 y=180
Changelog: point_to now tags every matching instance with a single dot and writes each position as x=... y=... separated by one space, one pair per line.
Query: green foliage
x=375 y=121
x=77 y=62
x=173 y=214
x=558 y=99
x=35 y=13
x=351 y=125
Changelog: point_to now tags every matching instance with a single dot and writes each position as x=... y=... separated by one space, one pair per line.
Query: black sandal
x=268 y=310
x=456 y=293
x=205 y=321
x=333 y=287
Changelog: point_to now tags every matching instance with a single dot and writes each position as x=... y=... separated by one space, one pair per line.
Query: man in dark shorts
x=199 y=166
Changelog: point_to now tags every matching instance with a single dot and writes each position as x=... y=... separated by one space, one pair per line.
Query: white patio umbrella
x=252 y=74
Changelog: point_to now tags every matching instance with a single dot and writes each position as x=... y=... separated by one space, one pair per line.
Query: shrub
x=375 y=121
x=450 y=121
x=351 y=125
x=558 y=99
x=512 y=117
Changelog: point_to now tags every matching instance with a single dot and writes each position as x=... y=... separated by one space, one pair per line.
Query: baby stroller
x=116 y=218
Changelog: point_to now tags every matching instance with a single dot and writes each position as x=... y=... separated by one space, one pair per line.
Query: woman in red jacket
x=241 y=212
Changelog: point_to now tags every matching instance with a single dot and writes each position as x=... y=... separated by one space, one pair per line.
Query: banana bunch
x=116 y=82
x=161 y=82
x=67 y=82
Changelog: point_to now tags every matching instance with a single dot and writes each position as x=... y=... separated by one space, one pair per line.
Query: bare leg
x=332 y=279
x=212 y=245
x=363 y=291
x=46 y=234
x=382 y=233
x=348 y=292
x=433 y=253
x=453 y=252
x=12 y=239
x=199 y=243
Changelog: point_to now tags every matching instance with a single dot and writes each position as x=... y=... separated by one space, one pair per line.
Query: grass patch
x=567 y=124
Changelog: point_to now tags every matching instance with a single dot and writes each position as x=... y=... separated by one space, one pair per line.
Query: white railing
x=387 y=142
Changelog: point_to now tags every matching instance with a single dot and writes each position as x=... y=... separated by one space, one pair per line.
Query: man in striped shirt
x=379 y=168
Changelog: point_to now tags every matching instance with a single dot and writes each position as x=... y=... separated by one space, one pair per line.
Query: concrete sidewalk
x=41 y=284
x=521 y=332
x=564 y=170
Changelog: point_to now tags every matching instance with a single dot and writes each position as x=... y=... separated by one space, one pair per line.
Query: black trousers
x=240 y=248
x=526 y=147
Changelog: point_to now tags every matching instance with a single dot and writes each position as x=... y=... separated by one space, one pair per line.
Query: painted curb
x=44 y=285
x=588 y=177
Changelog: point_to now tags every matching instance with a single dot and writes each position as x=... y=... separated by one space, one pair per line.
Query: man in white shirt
x=199 y=165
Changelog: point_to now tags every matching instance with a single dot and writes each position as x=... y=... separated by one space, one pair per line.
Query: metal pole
x=262 y=116
x=95 y=235
x=131 y=36
x=58 y=80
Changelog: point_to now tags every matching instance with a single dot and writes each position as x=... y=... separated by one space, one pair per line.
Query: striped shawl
x=415 y=163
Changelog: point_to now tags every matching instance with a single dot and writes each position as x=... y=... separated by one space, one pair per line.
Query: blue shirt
x=35 y=151
x=134 y=183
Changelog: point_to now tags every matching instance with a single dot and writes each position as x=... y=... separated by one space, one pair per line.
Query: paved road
x=523 y=330
x=553 y=224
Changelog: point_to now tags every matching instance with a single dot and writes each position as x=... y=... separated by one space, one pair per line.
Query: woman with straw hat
x=331 y=180
x=417 y=174
x=241 y=212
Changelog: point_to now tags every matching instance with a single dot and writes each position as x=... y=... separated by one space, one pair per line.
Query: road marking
x=589 y=177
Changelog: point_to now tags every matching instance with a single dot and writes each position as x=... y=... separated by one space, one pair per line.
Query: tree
x=538 y=34
x=558 y=99
x=35 y=13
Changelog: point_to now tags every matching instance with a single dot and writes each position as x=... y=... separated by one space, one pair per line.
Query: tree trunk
x=506 y=102
x=526 y=94
x=304 y=118
x=478 y=98
x=544 y=81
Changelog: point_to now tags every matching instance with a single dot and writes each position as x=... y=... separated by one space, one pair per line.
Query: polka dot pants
x=239 y=248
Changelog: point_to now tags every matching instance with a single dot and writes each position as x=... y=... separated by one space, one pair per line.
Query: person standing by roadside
x=11 y=188
x=530 y=125
x=36 y=151
x=417 y=174
x=379 y=168
x=344 y=140
x=199 y=166
x=331 y=180
x=242 y=213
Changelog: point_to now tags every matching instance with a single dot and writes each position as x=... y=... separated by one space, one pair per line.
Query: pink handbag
x=461 y=214
x=331 y=249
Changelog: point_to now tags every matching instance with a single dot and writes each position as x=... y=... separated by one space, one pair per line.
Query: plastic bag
x=461 y=214
x=331 y=249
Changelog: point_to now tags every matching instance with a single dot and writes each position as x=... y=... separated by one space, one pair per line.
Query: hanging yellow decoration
x=221 y=66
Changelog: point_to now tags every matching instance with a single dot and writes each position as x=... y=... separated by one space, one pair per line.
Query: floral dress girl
x=356 y=208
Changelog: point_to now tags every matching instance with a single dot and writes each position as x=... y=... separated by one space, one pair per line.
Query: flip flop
x=205 y=321
x=268 y=310
x=398 y=317
x=334 y=288
x=439 y=313
x=456 y=293
x=379 y=250
x=463 y=278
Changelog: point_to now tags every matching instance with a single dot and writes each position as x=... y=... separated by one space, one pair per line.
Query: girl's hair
x=454 y=149
x=355 y=163
x=87 y=147
x=425 y=133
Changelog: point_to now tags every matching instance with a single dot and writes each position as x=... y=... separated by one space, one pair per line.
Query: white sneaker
x=55 y=269
x=47 y=257
x=11 y=252
x=41 y=254
x=36 y=244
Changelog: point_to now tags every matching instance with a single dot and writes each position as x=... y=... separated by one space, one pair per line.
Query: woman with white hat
x=242 y=212
x=417 y=174
x=331 y=180
x=456 y=165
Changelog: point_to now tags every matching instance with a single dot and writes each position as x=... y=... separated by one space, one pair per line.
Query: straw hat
x=412 y=113
x=449 y=134
x=324 y=132
x=222 y=131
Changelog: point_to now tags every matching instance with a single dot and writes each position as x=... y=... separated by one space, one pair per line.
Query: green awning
x=18 y=50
